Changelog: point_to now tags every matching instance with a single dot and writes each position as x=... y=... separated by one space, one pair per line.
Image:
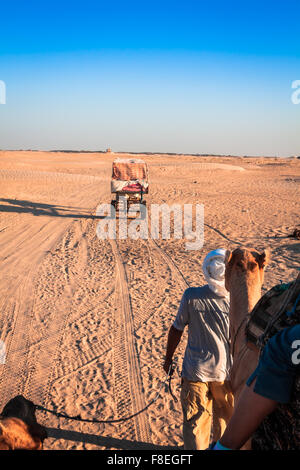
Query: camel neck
x=242 y=302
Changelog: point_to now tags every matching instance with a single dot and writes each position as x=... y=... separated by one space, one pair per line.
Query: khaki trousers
x=205 y=405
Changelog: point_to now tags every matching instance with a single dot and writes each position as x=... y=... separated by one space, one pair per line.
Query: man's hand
x=167 y=365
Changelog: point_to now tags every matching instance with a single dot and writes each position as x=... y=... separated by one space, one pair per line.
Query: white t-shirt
x=207 y=356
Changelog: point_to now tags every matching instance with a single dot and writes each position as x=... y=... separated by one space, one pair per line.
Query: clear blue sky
x=167 y=76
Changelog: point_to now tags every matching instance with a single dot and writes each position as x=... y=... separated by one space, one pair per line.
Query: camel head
x=244 y=273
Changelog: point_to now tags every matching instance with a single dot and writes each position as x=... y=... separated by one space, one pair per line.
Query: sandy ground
x=84 y=320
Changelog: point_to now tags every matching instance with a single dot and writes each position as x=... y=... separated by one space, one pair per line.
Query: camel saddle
x=277 y=309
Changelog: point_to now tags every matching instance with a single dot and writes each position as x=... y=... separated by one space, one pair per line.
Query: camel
x=19 y=429
x=244 y=276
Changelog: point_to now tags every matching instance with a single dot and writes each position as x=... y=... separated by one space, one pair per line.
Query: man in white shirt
x=206 y=391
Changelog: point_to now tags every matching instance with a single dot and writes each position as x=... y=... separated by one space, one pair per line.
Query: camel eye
x=252 y=266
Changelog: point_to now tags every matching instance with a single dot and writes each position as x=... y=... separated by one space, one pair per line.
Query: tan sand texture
x=85 y=320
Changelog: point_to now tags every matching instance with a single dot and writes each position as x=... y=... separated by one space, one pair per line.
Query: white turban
x=214 y=271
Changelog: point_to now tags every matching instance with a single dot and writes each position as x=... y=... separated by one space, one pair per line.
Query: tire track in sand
x=128 y=385
x=21 y=258
x=42 y=352
x=174 y=269
x=17 y=306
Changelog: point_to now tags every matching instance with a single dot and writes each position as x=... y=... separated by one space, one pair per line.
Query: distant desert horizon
x=134 y=153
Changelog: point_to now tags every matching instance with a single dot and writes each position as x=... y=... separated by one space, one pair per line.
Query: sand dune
x=84 y=320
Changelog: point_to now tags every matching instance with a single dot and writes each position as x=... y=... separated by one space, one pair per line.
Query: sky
x=156 y=76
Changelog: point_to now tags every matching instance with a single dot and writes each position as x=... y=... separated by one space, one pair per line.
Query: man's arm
x=274 y=379
x=173 y=341
x=250 y=410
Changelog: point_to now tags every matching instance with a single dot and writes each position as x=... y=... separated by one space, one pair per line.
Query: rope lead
x=86 y=420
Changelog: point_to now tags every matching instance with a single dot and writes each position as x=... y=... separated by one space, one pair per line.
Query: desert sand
x=85 y=321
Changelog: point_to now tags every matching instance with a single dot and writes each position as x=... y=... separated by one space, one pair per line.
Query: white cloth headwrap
x=214 y=271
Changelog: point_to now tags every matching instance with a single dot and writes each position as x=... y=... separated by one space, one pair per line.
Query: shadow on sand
x=39 y=209
x=104 y=441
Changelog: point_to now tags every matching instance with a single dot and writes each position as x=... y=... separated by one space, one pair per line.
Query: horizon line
x=150 y=153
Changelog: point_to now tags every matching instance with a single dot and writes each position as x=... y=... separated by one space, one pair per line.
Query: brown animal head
x=245 y=267
x=19 y=428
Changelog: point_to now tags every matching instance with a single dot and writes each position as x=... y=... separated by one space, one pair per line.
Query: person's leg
x=197 y=413
x=223 y=402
